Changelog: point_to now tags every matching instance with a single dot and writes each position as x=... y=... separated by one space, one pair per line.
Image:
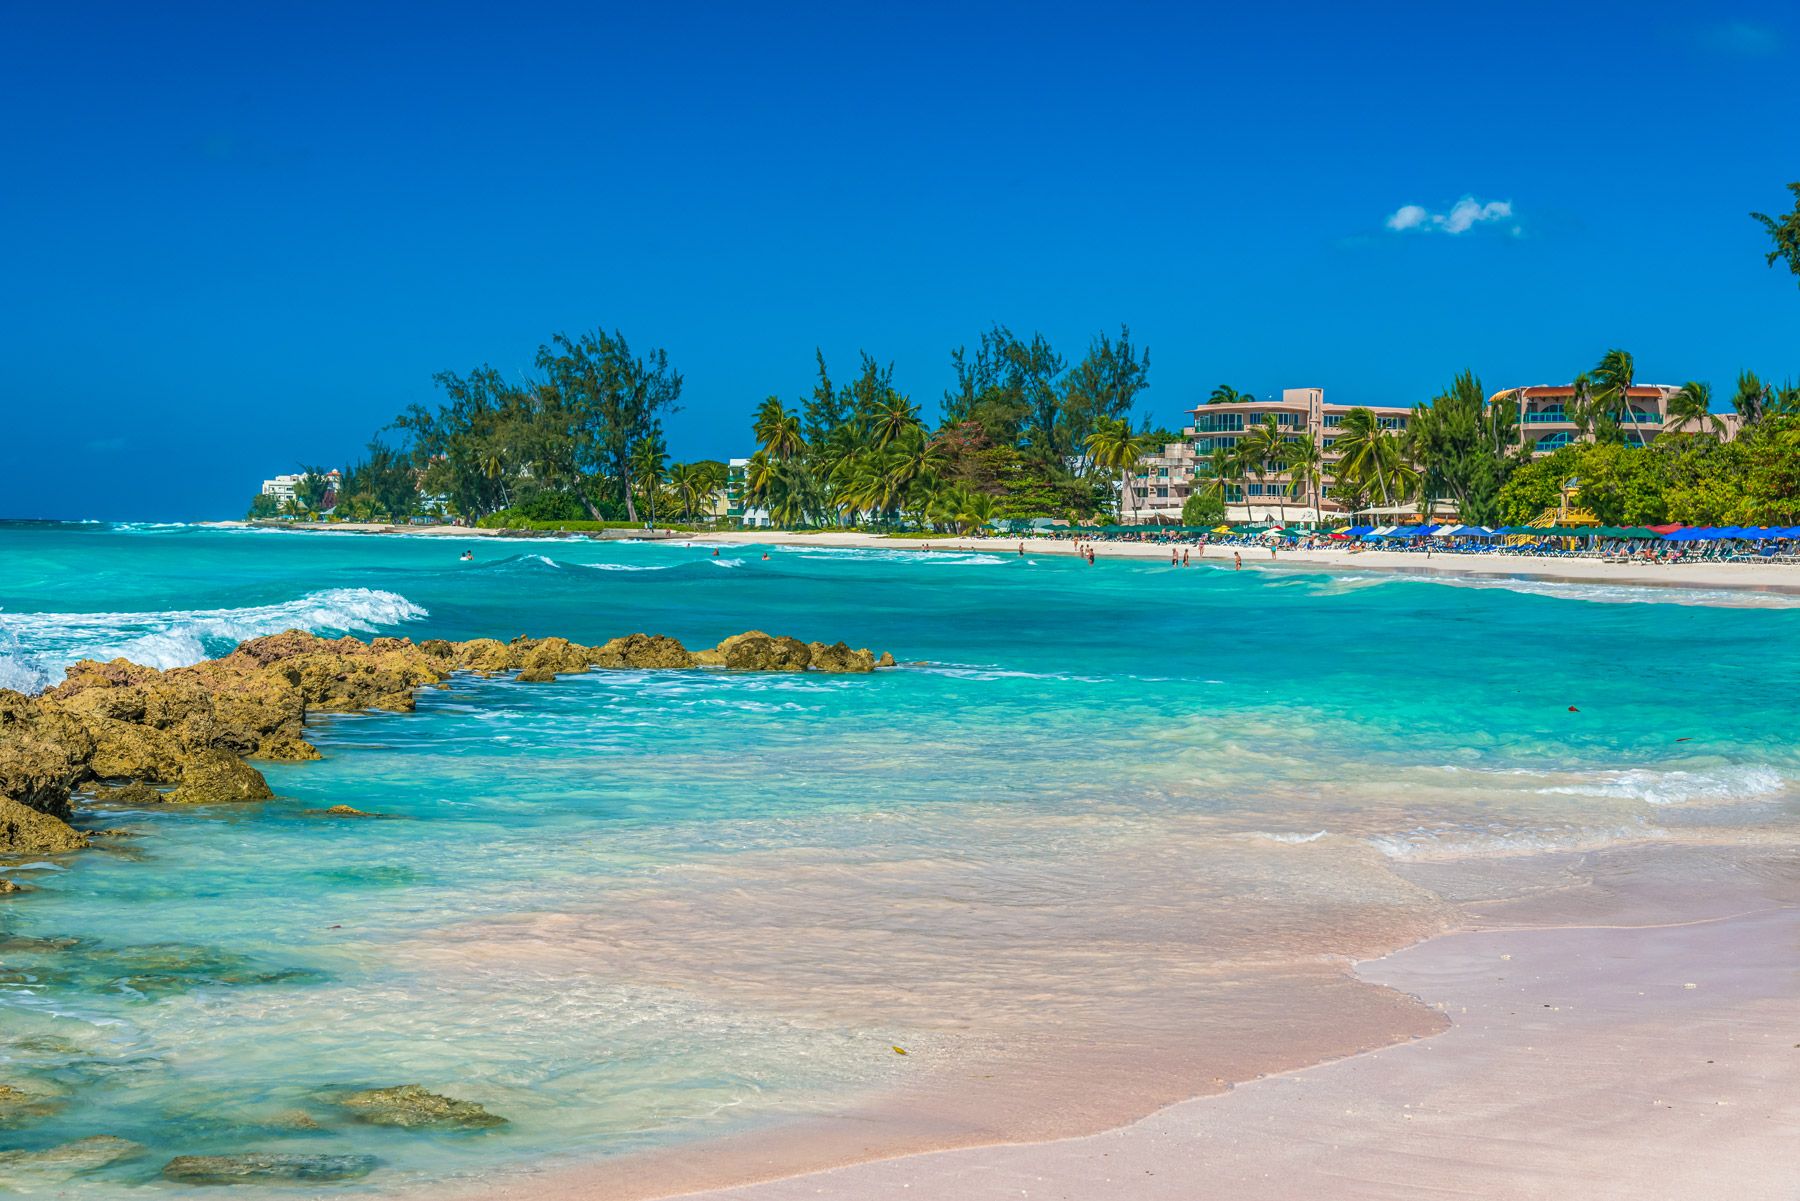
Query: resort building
x=282 y=486
x=737 y=479
x=1546 y=423
x=1164 y=481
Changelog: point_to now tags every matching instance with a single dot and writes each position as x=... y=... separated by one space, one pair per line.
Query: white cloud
x=1463 y=216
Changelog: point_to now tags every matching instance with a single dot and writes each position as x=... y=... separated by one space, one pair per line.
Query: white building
x=282 y=486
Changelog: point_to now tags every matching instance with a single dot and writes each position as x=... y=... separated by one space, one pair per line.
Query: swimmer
x=468 y=555
x=1237 y=561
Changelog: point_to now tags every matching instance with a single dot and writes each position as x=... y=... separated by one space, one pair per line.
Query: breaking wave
x=35 y=647
x=1677 y=787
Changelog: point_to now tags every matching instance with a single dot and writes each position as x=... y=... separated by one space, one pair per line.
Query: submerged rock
x=13 y=887
x=265 y=1166
x=410 y=1106
x=26 y=831
x=20 y=1105
x=341 y=811
x=128 y=794
x=68 y=1159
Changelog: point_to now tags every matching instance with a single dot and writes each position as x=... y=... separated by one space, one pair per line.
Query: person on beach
x=1174 y=558
x=1021 y=550
x=1237 y=561
x=1184 y=558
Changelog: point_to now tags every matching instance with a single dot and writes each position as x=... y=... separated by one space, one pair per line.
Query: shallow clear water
x=627 y=909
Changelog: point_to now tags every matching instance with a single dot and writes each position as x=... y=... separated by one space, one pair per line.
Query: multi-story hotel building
x=1164 y=481
x=1546 y=423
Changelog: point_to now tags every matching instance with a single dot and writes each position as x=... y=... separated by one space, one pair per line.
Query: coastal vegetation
x=1462 y=451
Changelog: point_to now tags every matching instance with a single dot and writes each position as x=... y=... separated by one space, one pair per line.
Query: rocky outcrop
x=839 y=657
x=757 y=651
x=12 y=888
x=141 y=736
x=411 y=1106
x=267 y=1167
x=213 y=777
x=25 y=831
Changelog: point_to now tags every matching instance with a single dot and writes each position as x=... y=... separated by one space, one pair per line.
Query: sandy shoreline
x=1758 y=577
x=1779 y=579
x=1619 y=1039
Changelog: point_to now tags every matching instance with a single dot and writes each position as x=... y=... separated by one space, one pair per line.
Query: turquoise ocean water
x=626 y=909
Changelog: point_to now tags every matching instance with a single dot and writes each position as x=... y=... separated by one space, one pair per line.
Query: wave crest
x=35 y=647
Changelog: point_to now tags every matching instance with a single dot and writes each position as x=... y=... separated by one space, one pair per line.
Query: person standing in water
x=1237 y=561
x=1184 y=558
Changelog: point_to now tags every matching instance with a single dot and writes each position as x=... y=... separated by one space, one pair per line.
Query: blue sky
x=240 y=237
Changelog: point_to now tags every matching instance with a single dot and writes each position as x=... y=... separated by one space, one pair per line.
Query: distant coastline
x=1735 y=577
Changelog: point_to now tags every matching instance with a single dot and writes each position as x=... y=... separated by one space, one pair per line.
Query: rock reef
x=142 y=736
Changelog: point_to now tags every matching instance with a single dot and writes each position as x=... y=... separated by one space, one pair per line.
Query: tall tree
x=615 y=400
x=1752 y=398
x=1103 y=385
x=1784 y=232
x=1613 y=378
x=1226 y=394
x=1465 y=448
x=1692 y=405
x=1114 y=446
x=825 y=409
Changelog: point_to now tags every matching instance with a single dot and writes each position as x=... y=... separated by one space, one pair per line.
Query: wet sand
x=1611 y=1030
x=1655 y=1062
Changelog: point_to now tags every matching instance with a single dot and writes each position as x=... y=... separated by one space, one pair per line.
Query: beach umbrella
x=1640 y=531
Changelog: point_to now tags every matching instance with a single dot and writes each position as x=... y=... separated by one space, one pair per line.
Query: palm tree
x=1305 y=462
x=1264 y=451
x=1225 y=394
x=1692 y=405
x=777 y=430
x=1114 y=446
x=1613 y=378
x=1217 y=476
x=1371 y=458
x=893 y=419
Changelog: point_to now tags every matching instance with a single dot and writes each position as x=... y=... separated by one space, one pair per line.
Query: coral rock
x=217 y=777
x=409 y=1105
x=26 y=831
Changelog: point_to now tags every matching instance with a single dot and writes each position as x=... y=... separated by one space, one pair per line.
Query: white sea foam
x=1460 y=842
x=1677 y=787
x=1287 y=837
x=880 y=555
x=1616 y=594
x=34 y=647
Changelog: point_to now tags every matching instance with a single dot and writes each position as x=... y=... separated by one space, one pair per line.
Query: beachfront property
x=1165 y=480
x=282 y=486
x=1546 y=422
x=737 y=481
